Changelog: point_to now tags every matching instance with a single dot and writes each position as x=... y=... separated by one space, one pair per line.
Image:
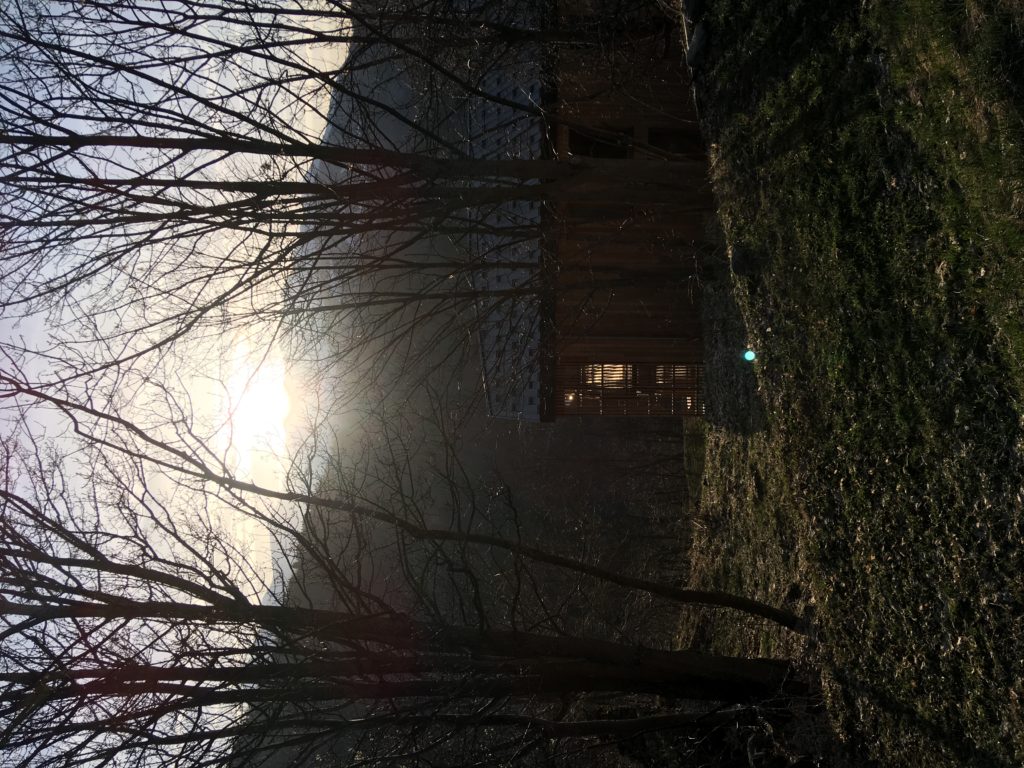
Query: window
x=607 y=375
x=609 y=147
x=674 y=140
x=675 y=375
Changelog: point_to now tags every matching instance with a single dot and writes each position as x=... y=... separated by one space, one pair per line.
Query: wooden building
x=622 y=329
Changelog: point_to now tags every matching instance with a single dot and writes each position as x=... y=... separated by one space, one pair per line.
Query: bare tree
x=135 y=628
x=162 y=189
x=163 y=154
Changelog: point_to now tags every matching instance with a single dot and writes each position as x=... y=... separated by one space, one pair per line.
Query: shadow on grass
x=731 y=397
x=912 y=720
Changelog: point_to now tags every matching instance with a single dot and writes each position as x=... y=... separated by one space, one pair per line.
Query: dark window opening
x=608 y=147
x=676 y=140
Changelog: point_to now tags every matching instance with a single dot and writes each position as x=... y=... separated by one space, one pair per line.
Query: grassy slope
x=869 y=168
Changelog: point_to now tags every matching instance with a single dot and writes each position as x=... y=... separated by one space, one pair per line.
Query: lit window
x=674 y=375
x=607 y=375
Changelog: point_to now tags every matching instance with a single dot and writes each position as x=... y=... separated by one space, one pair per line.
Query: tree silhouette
x=174 y=156
x=168 y=187
x=135 y=626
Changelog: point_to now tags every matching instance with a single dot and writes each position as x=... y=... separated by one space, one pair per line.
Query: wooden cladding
x=623 y=306
x=628 y=389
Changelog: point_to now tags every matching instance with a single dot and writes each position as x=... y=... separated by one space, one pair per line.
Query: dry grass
x=870 y=178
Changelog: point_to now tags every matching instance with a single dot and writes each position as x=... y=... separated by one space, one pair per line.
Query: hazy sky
x=237 y=384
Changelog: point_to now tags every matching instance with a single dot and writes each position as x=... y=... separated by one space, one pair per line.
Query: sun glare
x=257 y=409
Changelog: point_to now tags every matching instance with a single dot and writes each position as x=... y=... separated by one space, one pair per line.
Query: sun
x=257 y=410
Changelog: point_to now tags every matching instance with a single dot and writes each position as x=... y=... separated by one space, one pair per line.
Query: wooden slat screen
x=628 y=389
